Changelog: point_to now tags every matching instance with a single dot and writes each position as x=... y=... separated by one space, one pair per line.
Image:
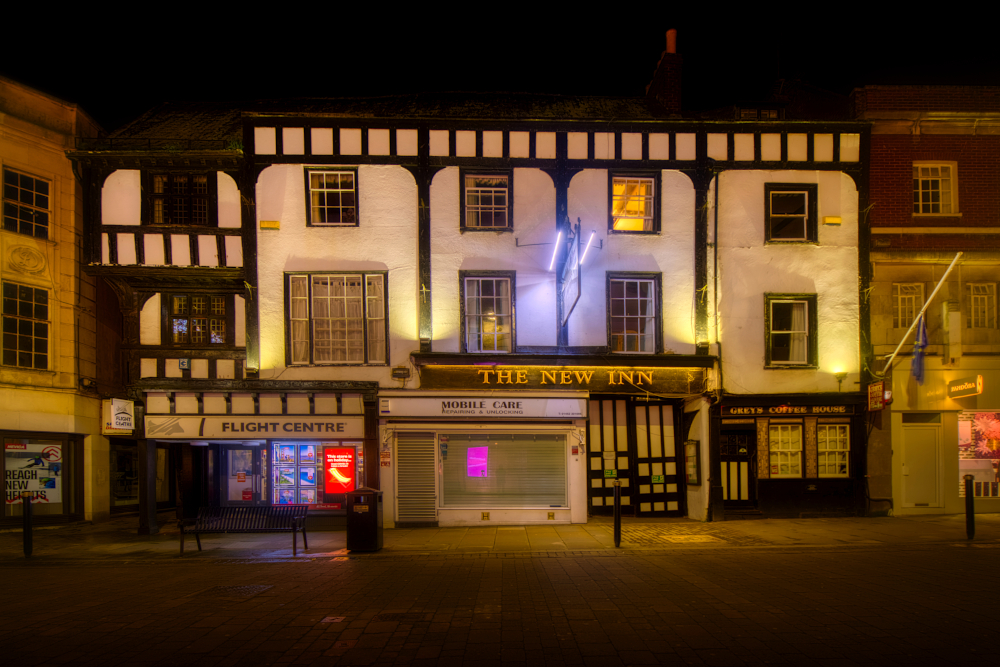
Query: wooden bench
x=258 y=519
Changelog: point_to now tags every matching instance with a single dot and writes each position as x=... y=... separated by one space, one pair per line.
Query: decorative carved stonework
x=25 y=259
x=763 y=450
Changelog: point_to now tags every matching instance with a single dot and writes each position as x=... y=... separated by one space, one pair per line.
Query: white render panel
x=823 y=147
x=718 y=146
x=686 y=148
x=126 y=249
x=293 y=141
x=214 y=403
x=149 y=323
x=147 y=368
x=121 y=198
x=748 y=269
x=225 y=369
x=239 y=322
x=545 y=145
x=153 y=250
x=180 y=250
x=322 y=141
x=439 y=142
x=172 y=369
x=350 y=141
x=454 y=251
x=743 y=147
x=465 y=143
x=576 y=145
x=387 y=206
x=234 y=251
x=631 y=146
x=378 y=142
x=264 y=141
x=850 y=147
x=406 y=142
x=798 y=147
x=230 y=215
x=770 y=147
x=199 y=368
x=208 y=251
x=671 y=254
x=604 y=145
x=659 y=146
x=520 y=144
x=492 y=144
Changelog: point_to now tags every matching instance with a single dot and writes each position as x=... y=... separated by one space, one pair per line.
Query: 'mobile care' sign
x=487 y=406
x=240 y=427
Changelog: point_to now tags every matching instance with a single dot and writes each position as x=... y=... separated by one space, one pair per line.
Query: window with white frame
x=632 y=314
x=25 y=204
x=785 y=450
x=633 y=203
x=488 y=313
x=337 y=318
x=981 y=312
x=833 y=445
x=487 y=201
x=791 y=330
x=790 y=212
x=935 y=189
x=907 y=300
x=333 y=198
x=25 y=326
x=198 y=319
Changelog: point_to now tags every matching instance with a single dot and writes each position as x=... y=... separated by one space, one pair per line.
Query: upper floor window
x=907 y=300
x=333 y=197
x=25 y=326
x=199 y=319
x=181 y=198
x=633 y=315
x=487 y=201
x=790 y=321
x=935 y=189
x=981 y=305
x=337 y=318
x=488 y=312
x=633 y=203
x=25 y=204
x=790 y=212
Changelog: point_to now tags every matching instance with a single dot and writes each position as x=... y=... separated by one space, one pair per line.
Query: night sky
x=116 y=73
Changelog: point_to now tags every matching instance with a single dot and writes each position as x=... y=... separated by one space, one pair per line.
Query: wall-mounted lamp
x=555 y=251
x=88 y=383
x=589 y=241
x=840 y=375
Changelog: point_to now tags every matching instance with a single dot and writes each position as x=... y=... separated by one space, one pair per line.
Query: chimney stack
x=665 y=87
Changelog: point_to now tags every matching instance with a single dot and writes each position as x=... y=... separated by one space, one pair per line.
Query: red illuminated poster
x=339 y=465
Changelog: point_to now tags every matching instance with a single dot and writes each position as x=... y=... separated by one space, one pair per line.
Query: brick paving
x=921 y=597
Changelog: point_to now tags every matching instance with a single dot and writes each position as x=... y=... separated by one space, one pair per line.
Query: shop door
x=634 y=441
x=920 y=467
x=739 y=469
x=244 y=475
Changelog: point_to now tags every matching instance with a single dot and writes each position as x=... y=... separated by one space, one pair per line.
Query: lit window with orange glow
x=633 y=201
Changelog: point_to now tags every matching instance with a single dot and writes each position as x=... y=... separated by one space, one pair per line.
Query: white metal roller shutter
x=415 y=477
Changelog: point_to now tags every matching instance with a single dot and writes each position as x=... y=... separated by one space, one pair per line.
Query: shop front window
x=315 y=473
x=503 y=470
x=124 y=475
x=979 y=453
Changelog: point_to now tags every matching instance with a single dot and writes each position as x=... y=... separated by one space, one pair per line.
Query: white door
x=921 y=461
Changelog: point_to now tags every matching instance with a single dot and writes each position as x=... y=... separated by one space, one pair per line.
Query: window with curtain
x=489 y=318
x=337 y=319
x=934 y=189
x=907 y=300
x=833 y=445
x=981 y=311
x=789 y=332
x=785 y=450
x=633 y=315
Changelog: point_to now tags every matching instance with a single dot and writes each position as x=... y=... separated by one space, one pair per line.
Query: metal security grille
x=416 y=497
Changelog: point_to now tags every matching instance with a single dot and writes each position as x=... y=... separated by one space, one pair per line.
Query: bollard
x=26 y=517
x=618 y=512
x=970 y=508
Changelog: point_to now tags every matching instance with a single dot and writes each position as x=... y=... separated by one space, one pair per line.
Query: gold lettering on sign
x=503 y=377
x=583 y=377
x=566 y=377
x=522 y=377
x=548 y=376
x=486 y=376
x=647 y=376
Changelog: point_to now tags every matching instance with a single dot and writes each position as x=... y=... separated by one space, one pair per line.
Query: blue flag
x=919 y=346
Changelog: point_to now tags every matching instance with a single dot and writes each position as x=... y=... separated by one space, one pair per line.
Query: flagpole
x=892 y=356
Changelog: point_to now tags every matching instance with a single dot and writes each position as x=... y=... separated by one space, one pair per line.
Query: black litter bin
x=364 y=519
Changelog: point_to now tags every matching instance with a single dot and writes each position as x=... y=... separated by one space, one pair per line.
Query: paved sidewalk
x=118 y=539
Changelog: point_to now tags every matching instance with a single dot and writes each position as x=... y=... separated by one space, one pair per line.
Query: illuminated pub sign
x=603 y=379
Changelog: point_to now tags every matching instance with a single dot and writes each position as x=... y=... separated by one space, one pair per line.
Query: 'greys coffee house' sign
x=239 y=427
x=595 y=379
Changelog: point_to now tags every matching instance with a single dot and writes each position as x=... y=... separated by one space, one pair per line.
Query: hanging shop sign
x=876 y=396
x=603 y=379
x=118 y=416
x=483 y=405
x=34 y=469
x=970 y=386
x=171 y=427
x=783 y=410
